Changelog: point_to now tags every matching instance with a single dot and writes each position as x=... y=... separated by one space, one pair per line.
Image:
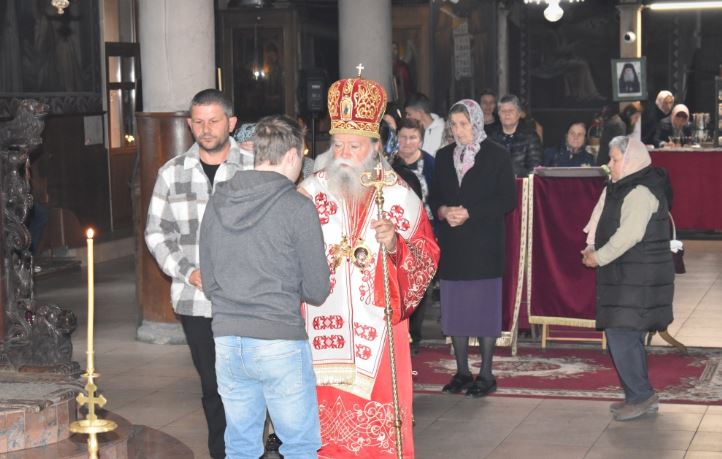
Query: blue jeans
x=258 y=374
x=630 y=360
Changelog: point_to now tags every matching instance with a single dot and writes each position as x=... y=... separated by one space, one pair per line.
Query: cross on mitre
x=360 y=68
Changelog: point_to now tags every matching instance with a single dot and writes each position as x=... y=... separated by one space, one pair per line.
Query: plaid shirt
x=176 y=208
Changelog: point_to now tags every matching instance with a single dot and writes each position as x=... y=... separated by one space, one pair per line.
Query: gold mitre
x=356 y=106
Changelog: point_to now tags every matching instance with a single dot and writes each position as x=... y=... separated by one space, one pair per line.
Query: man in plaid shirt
x=182 y=190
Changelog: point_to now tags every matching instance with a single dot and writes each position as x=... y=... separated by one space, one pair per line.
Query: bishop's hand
x=385 y=234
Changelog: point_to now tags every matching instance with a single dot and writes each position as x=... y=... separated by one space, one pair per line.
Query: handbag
x=677 y=249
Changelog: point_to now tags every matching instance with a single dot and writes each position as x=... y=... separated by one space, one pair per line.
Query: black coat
x=525 y=147
x=613 y=127
x=665 y=131
x=474 y=250
x=635 y=291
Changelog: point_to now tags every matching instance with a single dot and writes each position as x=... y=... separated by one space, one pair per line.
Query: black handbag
x=677 y=248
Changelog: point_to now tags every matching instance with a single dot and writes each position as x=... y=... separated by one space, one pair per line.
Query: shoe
x=616 y=406
x=458 y=383
x=273 y=442
x=633 y=411
x=481 y=387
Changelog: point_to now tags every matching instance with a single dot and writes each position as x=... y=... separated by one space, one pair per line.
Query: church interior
x=94 y=96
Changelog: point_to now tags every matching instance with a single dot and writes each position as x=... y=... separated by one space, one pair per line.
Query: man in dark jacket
x=523 y=145
x=635 y=279
x=261 y=256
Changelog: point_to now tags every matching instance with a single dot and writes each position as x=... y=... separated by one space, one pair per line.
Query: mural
x=569 y=60
x=51 y=56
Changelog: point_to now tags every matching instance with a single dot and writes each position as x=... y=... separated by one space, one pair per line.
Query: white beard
x=344 y=177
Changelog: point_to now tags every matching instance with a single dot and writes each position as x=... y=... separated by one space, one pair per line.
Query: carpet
x=566 y=371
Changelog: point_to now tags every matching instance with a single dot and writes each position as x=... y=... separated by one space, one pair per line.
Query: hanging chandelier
x=60 y=5
x=553 y=11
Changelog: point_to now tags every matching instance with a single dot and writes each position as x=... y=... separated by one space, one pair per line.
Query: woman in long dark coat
x=474 y=188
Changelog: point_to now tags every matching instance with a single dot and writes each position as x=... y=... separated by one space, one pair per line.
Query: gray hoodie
x=261 y=255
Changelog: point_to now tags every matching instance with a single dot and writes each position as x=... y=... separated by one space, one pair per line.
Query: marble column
x=364 y=29
x=178 y=60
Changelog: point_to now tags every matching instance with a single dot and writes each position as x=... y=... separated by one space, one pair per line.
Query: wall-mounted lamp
x=677 y=6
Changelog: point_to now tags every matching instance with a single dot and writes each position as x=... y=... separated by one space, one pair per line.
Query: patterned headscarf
x=464 y=155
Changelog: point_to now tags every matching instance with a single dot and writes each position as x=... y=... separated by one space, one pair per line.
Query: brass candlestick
x=91 y=425
x=380 y=179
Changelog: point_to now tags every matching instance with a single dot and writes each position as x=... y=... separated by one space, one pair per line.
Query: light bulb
x=553 y=12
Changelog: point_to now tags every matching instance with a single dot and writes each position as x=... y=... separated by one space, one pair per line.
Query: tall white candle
x=91 y=301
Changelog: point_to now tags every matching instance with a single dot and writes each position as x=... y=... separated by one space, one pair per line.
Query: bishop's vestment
x=348 y=333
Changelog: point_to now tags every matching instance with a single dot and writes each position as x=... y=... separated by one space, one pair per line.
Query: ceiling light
x=553 y=12
x=672 y=6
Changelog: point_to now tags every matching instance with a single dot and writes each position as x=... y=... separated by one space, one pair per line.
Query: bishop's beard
x=344 y=177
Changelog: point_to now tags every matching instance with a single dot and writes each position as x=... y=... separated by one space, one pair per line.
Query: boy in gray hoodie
x=261 y=255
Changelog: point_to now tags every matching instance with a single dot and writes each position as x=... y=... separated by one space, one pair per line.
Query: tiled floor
x=156 y=385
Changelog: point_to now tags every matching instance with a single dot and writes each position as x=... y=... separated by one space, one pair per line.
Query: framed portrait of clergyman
x=629 y=79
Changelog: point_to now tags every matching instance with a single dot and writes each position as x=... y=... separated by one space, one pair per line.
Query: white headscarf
x=661 y=96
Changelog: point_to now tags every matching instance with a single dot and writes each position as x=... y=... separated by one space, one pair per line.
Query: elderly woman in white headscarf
x=635 y=271
x=473 y=188
x=652 y=116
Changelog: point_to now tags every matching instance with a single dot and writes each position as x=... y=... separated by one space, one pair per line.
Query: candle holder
x=91 y=425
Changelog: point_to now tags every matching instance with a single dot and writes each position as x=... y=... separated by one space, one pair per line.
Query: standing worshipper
x=635 y=271
x=517 y=136
x=474 y=188
x=261 y=255
x=348 y=332
x=412 y=159
x=183 y=187
x=619 y=124
x=418 y=107
x=652 y=116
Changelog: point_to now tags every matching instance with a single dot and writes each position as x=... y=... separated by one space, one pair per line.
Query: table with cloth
x=696 y=177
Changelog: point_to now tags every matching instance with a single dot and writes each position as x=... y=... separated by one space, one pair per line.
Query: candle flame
x=90 y=233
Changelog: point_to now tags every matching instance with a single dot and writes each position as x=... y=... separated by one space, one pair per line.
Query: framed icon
x=629 y=79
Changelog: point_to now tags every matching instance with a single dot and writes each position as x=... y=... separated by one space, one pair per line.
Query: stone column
x=364 y=29
x=177 y=60
x=502 y=46
x=630 y=20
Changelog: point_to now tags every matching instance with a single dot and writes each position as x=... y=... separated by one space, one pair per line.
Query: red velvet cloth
x=561 y=285
x=696 y=178
x=511 y=270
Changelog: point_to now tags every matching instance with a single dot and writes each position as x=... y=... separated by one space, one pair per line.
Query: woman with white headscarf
x=653 y=115
x=635 y=275
x=473 y=189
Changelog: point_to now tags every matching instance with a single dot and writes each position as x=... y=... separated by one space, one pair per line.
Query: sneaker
x=633 y=411
x=481 y=388
x=616 y=406
x=458 y=383
x=273 y=442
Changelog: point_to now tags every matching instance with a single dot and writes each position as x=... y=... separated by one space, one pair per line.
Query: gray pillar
x=503 y=49
x=177 y=49
x=364 y=29
x=630 y=20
